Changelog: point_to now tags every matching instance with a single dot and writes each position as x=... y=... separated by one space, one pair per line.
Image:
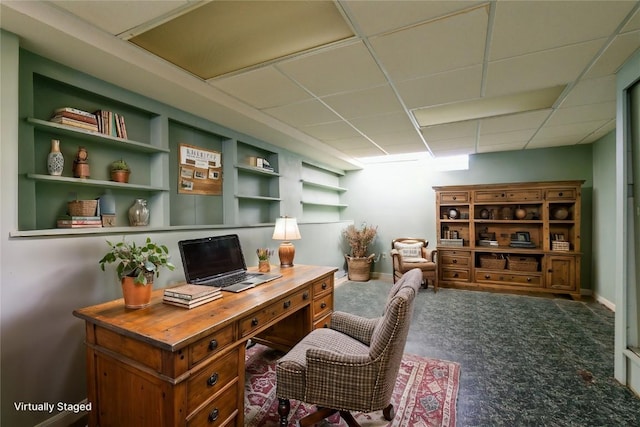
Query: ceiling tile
x=340 y=69
x=395 y=139
x=501 y=147
x=582 y=113
x=303 y=113
x=575 y=131
x=518 y=24
x=441 y=88
x=634 y=22
x=514 y=137
x=513 y=122
x=378 y=100
x=374 y=17
x=539 y=70
x=331 y=131
x=600 y=132
x=591 y=91
x=450 y=131
x=382 y=123
x=116 y=17
x=617 y=53
x=434 y=47
x=262 y=88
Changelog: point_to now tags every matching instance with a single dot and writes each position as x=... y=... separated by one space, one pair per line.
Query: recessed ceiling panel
x=609 y=62
x=303 y=113
x=582 y=113
x=591 y=91
x=331 y=131
x=367 y=102
x=514 y=122
x=383 y=123
x=225 y=36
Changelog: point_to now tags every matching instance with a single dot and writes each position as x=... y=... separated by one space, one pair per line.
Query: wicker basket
x=492 y=262
x=559 y=245
x=82 y=207
x=523 y=263
x=359 y=269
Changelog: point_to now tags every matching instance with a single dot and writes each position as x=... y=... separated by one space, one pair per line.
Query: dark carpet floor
x=525 y=360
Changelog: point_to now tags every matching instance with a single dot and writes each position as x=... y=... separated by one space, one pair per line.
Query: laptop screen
x=211 y=257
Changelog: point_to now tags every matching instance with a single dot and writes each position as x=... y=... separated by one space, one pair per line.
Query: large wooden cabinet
x=519 y=236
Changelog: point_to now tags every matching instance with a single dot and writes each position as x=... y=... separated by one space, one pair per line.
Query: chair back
x=408 y=241
x=390 y=335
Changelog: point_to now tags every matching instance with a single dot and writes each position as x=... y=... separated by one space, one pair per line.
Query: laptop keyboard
x=230 y=280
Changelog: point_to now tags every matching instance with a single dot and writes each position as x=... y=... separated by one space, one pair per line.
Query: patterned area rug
x=425 y=394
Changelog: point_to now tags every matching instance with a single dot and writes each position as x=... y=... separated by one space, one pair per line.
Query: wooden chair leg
x=348 y=418
x=284 y=406
x=316 y=417
x=388 y=412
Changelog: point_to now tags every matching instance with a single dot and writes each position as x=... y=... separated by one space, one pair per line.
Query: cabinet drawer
x=211 y=379
x=267 y=315
x=455 y=274
x=490 y=196
x=524 y=195
x=323 y=322
x=561 y=194
x=322 y=286
x=448 y=259
x=211 y=344
x=218 y=411
x=454 y=197
x=509 y=278
x=322 y=306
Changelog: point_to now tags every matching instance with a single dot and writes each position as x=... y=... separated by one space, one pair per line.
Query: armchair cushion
x=409 y=250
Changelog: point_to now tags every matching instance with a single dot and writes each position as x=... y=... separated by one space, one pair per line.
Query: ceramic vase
x=135 y=295
x=55 y=160
x=139 y=213
x=264 y=266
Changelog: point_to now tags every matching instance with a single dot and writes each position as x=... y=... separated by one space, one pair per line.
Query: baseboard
x=67 y=418
x=611 y=306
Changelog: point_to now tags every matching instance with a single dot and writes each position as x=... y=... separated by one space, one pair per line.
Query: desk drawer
x=211 y=344
x=219 y=411
x=561 y=194
x=455 y=275
x=324 y=322
x=322 y=306
x=322 y=286
x=211 y=379
x=262 y=318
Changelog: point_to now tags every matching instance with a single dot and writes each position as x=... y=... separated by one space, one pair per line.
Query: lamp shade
x=286 y=229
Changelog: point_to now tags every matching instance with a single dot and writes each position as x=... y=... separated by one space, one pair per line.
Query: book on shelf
x=74 y=123
x=78 y=117
x=74 y=111
x=65 y=224
x=110 y=123
x=190 y=292
x=191 y=303
x=77 y=217
x=483 y=242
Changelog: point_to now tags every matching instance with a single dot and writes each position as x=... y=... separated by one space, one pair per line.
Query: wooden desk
x=170 y=366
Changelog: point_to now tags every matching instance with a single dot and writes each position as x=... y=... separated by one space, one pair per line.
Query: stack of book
x=76 y=118
x=68 y=221
x=190 y=296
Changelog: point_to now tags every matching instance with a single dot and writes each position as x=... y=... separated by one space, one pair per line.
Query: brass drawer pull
x=323 y=305
x=213 y=344
x=254 y=322
x=213 y=415
x=305 y=296
x=213 y=379
x=324 y=285
x=287 y=304
x=455 y=261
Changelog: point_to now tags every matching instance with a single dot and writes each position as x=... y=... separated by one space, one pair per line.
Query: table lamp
x=286 y=230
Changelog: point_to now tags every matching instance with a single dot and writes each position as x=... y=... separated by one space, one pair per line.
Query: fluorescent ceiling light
x=488 y=107
x=222 y=37
x=390 y=158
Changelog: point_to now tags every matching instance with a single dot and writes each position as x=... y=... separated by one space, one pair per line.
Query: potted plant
x=136 y=267
x=120 y=171
x=263 y=259
x=359 y=263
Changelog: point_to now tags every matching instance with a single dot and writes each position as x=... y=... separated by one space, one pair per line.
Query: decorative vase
x=136 y=295
x=139 y=213
x=560 y=213
x=264 y=266
x=55 y=160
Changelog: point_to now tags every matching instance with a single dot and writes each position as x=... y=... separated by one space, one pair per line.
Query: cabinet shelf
x=92 y=183
x=335 y=205
x=95 y=136
x=256 y=170
x=323 y=186
x=262 y=198
x=507 y=221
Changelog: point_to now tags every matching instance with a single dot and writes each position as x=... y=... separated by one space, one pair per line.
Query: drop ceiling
x=366 y=82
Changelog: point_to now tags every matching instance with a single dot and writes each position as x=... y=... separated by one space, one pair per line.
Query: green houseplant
x=358 y=262
x=120 y=171
x=136 y=267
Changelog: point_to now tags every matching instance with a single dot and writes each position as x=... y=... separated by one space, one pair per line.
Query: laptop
x=219 y=261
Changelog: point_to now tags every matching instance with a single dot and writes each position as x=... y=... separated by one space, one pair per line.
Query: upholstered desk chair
x=353 y=364
x=409 y=253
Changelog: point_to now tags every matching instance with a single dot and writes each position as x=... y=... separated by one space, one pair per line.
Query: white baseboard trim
x=611 y=306
x=64 y=418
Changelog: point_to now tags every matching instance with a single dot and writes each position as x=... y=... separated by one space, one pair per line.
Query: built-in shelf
x=256 y=170
x=263 y=198
x=323 y=186
x=92 y=182
x=335 y=205
x=96 y=136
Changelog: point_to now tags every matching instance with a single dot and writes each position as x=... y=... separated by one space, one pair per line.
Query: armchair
x=353 y=364
x=409 y=253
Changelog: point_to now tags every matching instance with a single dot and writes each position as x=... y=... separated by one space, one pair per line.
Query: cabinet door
x=561 y=272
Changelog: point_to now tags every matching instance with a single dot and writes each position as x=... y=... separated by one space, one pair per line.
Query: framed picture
x=522 y=236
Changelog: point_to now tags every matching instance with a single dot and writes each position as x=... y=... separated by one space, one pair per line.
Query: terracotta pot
x=120 y=176
x=136 y=295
